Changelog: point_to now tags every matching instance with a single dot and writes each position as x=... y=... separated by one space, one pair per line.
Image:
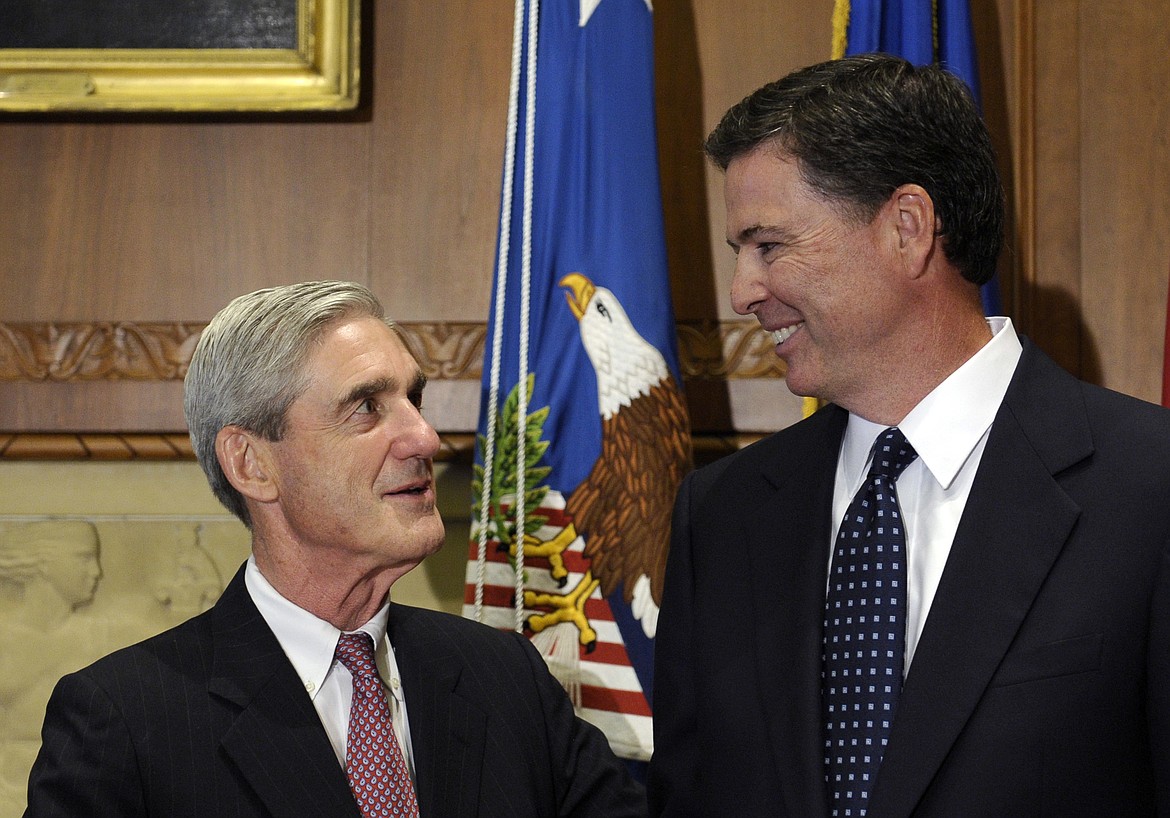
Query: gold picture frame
x=320 y=73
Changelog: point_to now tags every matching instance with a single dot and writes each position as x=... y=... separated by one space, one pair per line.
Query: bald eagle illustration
x=623 y=507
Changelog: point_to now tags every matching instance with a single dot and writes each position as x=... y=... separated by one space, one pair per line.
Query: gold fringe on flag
x=841 y=29
x=934 y=31
x=840 y=37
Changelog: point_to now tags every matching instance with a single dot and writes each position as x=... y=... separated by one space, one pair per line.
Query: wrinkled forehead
x=356 y=352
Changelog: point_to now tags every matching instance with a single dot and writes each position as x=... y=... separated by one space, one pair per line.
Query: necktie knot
x=891 y=454
x=356 y=652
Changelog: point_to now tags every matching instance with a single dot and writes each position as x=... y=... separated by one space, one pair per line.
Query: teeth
x=782 y=335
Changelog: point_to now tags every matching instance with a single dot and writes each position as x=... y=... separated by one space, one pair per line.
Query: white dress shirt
x=309 y=643
x=948 y=429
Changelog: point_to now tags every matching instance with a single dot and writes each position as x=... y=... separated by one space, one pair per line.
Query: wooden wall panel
x=439 y=111
x=165 y=219
x=1125 y=189
x=1097 y=300
x=1050 y=310
x=148 y=220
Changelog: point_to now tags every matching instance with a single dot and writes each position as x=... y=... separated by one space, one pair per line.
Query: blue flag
x=583 y=435
x=923 y=32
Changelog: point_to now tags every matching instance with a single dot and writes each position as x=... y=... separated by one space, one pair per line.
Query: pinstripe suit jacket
x=210 y=719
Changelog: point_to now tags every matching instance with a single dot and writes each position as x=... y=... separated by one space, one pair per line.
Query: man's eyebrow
x=367 y=389
x=755 y=231
x=377 y=386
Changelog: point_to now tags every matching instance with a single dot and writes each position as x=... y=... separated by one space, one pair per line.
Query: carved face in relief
x=63 y=553
x=73 y=569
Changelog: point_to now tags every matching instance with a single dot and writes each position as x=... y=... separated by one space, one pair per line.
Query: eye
x=602 y=310
x=367 y=407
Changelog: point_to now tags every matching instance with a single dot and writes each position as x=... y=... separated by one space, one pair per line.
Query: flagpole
x=525 y=306
x=493 y=407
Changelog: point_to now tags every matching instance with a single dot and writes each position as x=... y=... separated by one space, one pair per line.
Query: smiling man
x=305 y=691
x=946 y=593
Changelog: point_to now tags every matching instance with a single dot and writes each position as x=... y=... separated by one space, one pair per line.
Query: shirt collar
x=309 y=642
x=946 y=426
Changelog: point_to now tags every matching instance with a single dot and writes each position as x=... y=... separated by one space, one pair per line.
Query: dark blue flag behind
x=581 y=402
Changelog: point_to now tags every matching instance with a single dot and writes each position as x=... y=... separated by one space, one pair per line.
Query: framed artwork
x=196 y=55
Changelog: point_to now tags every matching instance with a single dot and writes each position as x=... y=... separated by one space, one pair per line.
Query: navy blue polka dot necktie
x=865 y=630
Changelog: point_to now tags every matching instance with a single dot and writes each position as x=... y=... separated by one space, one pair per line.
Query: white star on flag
x=590 y=6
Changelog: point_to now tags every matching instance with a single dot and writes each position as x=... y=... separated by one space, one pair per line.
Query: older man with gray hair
x=305 y=691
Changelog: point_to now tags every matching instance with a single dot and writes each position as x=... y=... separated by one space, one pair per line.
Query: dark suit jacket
x=1041 y=683
x=210 y=719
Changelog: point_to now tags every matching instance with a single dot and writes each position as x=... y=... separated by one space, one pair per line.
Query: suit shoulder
x=1068 y=421
x=408 y=621
x=1132 y=433
x=482 y=656
x=1137 y=415
x=798 y=443
x=1110 y=414
x=183 y=646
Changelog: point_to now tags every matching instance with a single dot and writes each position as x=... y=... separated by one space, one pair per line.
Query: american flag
x=580 y=203
x=603 y=686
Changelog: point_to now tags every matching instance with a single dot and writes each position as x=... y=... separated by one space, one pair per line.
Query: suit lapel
x=1013 y=528
x=276 y=740
x=788 y=552
x=448 y=734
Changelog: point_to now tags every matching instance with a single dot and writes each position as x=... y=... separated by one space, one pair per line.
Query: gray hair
x=248 y=366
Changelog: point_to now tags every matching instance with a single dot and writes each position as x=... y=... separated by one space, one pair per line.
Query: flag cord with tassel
x=519 y=504
x=501 y=297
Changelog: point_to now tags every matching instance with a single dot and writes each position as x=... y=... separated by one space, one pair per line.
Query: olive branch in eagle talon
x=622 y=508
x=502 y=517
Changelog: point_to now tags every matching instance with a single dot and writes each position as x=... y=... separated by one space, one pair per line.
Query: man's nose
x=747 y=290
x=418 y=438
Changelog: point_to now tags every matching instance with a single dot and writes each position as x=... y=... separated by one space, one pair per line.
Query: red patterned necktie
x=373 y=760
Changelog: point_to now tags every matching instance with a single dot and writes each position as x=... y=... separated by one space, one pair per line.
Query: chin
x=802 y=383
x=435 y=537
x=799 y=388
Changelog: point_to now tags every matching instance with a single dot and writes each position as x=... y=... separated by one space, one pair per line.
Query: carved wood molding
x=446 y=350
x=454 y=448
x=170 y=446
x=71 y=352
x=63 y=446
x=96 y=351
x=723 y=350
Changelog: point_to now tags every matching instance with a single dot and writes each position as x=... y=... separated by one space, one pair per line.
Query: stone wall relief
x=73 y=590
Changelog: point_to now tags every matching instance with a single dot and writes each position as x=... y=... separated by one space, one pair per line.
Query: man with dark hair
x=947 y=592
x=305 y=691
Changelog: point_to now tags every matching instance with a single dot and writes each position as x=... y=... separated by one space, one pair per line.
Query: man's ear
x=245 y=458
x=916 y=225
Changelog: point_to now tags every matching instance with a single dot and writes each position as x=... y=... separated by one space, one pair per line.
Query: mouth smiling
x=784 y=333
